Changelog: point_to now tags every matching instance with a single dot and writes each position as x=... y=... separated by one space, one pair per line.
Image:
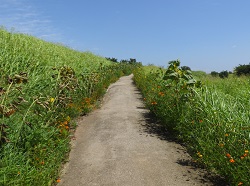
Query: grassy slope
x=43 y=85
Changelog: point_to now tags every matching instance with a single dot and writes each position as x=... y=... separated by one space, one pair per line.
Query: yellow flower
x=67 y=119
x=52 y=100
x=199 y=154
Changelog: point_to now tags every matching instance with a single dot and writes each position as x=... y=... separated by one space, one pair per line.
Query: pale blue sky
x=203 y=34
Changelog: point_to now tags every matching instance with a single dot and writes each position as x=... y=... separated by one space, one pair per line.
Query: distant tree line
x=130 y=61
x=239 y=70
x=222 y=74
x=112 y=59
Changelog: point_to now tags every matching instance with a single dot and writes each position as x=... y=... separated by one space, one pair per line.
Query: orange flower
x=228 y=155
x=231 y=160
x=153 y=103
x=226 y=135
x=88 y=100
x=58 y=180
x=201 y=121
x=161 y=93
x=239 y=184
x=65 y=123
x=42 y=163
x=221 y=144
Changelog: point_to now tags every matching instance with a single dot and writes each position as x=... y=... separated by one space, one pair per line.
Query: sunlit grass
x=43 y=86
x=213 y=120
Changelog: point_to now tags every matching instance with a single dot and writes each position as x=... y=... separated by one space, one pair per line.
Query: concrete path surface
x=116 y=146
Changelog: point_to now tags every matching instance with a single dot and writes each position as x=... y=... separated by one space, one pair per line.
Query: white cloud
x=25 y=18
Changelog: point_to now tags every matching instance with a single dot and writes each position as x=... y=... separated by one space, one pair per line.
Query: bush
x=223 y=74
x=214 y=74
x=242 y=70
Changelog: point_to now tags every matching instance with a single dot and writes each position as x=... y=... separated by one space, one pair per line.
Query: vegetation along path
x=118 y=145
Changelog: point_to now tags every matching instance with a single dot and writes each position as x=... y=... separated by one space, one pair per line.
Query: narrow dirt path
x=114 y=147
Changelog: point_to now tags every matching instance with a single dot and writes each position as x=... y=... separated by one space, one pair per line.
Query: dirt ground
x=120 y=144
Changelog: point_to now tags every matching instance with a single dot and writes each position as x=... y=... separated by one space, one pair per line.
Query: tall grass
x=42 y=87
x=212 y=120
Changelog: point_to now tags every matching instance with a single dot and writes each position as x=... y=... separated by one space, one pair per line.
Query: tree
x=242 y=70
x=124 y=61
x=214 y=73
x=223 y=74
x=112 y=59
x=132 y=61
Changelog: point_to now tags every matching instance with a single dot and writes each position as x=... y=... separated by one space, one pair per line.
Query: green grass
x=43 y=86
x=212 y=120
